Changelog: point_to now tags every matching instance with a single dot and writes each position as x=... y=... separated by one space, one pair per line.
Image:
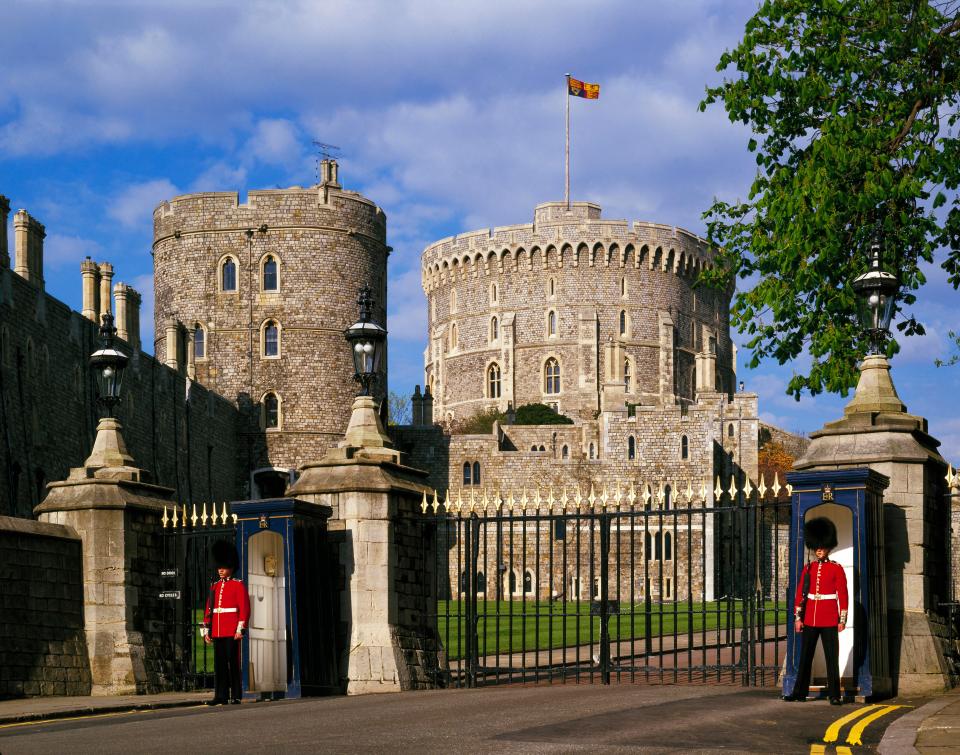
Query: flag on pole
x=583 y=89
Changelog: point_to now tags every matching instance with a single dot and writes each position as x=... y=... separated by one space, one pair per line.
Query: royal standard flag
x=583 y=89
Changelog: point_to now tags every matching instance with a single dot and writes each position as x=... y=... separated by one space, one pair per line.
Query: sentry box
x=853 y=500
x=289 y=649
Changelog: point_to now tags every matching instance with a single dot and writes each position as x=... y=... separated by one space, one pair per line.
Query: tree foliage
x=399 y=410
x=853 y=105
x=540 y=414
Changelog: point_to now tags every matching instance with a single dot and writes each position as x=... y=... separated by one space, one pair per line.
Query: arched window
x=271 y=281
x=467 y=474
x=623 y=286
x=627 y=376
x=542 y=449
x=551 y=288
x=271 y=411
x=623 y=322
x=453 y=337
x=453 y=300
x=228 y=275
x=667 y=495
x=551 y=323
x=593 y=451
x=199 y=342
x=464 y=581
x=527 y=582
x=481 y=582
x=667 y=547
x=271 y=339
x=565 y=452
x=646 y=546
x=493 y=381
x=684 y=447
x=476 y=473
x=552 y=376
x=493 y=293
x=512 y=582
x=658 y=547
x=533 y=447
x=631 y=448
x=494 y=328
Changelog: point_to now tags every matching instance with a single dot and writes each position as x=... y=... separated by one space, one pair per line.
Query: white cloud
x=60 y=251
x=133 y=206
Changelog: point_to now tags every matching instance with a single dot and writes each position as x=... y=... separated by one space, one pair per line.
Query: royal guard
x=228 y=610
x=820 y=609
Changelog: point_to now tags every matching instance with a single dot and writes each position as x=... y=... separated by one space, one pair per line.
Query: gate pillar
x=288 y=649
x=387 y=639
x=853 y=500
x=117 y=515
x=876 y=431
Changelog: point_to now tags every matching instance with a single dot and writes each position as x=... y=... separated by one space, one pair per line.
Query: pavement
x=510 y=718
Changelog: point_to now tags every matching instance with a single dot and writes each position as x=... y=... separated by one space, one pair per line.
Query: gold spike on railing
x=435 y=504
x=224 y=512
x=194 y=518
x=776 y=484
x=617 y=497
x=173 y=519
x=163 y=519
x=717 y=490
x=459 y=503
x=689 y=493
x=762 y=489
x=703 y=491
x=578 y=498
x=789 y=489
x=536 y=500
x=183 y=516
x=631 y=496
x=564 y=499
x=423 y=503
x=203 y=514
x=523 y=501
x=235 y=518
x=592 y=498
x=748 y=487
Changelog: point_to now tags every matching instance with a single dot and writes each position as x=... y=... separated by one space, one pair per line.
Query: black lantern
x=367 y=340
x=108 y=365
x=877 y=290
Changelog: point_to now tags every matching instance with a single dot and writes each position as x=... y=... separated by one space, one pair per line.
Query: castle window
x=270 y=278
x=271 y=411
x=730 y=430
x=453 y=300
x=493 y=293
x=493 y=381
x=228 y=275
x=527 y=582
x=481 y=582
x=494 y=329
x=623 y=287
x=476 y=473
x=533 y=447
x=667 y=548
x=551 y=288
x=542 y=449
x=667 y=495
x=593 y=451
x=658 y=547
x=551 y=323
x=453 y=337
x=199 y=342
x=512 y=582
x=271 y=339
x=565 y=452
x=631 y=448
x=552 y=376
x=627 y=376
x=623 y=322
x=668 y=588
x=684 y=447
x=467 y=473
x=646 y=545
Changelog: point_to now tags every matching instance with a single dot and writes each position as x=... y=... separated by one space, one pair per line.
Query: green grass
x=518 y=628
x=202 y=664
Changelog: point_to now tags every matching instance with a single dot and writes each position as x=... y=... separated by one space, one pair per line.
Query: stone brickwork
x=564 y=288
x=183 y=433
x=327 y=243
x=42 y=646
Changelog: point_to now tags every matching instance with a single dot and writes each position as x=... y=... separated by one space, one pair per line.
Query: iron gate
x=658 y=583
x=188 y=536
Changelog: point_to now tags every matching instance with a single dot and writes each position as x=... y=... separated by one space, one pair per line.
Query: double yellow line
x=866 y=715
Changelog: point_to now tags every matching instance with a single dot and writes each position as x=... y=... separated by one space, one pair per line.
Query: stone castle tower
x=577 y=312
x=252 y=301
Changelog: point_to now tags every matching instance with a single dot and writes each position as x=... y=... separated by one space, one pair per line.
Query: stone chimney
x=106 y=286
x=28 y=247
x=133 y=318
x=90 y=273
x=120 y=291
x=4 y=248
x=416 y=406
x=329 y=173
x=427 y=406
x=172 y=330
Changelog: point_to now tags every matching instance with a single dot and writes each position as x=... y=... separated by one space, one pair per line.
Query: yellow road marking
x=818 y=749
x=853 y=738
x=833 y=731
x=842 y=750
x=81 y=718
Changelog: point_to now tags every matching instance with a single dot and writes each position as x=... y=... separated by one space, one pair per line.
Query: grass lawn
x=513 y=626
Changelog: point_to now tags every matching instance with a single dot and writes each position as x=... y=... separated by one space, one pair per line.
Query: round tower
x=252 y=300
x=574 y=311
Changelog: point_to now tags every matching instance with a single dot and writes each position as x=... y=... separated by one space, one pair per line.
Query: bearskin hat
x=820 y=533
x=225 y=555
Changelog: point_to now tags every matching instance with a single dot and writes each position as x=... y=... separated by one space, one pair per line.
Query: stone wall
x=184 y=434
x=561 y=288
x=42 y=646
x=327 y=243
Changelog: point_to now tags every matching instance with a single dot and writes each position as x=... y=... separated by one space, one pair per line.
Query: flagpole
x=566 y=192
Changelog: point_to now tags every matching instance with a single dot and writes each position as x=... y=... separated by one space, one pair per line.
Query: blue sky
x=449 y=115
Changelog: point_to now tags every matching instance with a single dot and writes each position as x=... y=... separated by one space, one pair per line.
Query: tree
x=853 y=106
x=540 y=414
x=773 y=460
x=399 y=411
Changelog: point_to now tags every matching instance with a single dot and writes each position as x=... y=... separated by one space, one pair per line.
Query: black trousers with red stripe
x=831 y=652
x=226 y=669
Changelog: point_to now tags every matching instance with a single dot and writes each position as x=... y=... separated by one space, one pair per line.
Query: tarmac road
x=564 y=718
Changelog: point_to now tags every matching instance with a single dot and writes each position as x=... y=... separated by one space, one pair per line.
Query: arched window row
x=471 y=473
x=658 y=546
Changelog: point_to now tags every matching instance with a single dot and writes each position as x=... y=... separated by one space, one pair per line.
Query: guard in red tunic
x=228 y=610
x=820 y=609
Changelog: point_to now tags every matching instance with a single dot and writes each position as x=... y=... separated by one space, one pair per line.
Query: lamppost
x=877 y=293
x=368 y=340
x=108 y=365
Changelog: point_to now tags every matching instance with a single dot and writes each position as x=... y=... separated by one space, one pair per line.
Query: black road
x=515 y=719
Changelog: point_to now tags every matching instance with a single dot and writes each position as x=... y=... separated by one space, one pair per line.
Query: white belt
x=234 y=610
x=811 y=596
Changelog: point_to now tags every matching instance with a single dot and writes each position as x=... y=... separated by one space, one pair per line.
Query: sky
x=447 y=114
